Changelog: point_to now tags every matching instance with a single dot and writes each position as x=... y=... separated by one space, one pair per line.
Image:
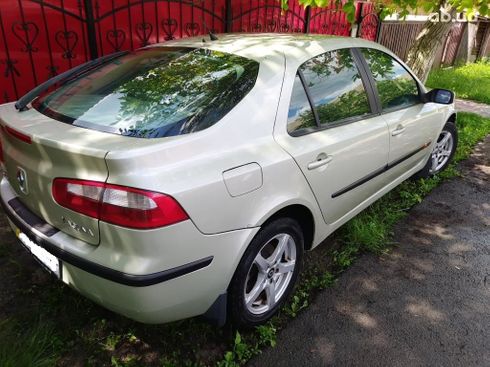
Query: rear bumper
x=27 y=221
x=184 y=290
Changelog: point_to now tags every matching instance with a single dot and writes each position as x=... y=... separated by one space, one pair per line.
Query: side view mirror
x=442 y=96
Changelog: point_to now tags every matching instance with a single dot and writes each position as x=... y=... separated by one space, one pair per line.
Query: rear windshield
x=153 y=93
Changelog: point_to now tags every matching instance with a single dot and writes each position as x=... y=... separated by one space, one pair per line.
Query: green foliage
x=241 y=353
x=267 y=334
x=471 y=81
x=403 y=7
x=34 y=345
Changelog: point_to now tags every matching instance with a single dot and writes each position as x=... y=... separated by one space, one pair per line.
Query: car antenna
x=212 y=36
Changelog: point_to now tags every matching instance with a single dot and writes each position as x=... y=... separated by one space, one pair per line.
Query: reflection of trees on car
x=381 y=64
x=396 y=93
x=330 y=62
x=154 y=92
x=188 y=94
x=350 y=104
x=324 y=73
x=395 y=85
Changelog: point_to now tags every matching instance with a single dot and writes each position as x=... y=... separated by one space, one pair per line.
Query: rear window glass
x=154 y=92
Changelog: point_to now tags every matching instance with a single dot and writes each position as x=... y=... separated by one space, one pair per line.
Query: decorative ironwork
x=116 y=38
x=53 y=70
x=144 y=31
x=192 y=29
x=67 y=40
x=285 y=27
x=368 y=26
x=27 y=33
x=10 y=68
x=329 y=21
x=257 y=27
x=169 y=27
x=267 y=16
x=271 y=25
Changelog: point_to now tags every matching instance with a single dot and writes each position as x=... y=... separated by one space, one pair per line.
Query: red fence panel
x=267 y=16
x=329 y=20
x=38 y=40
x=42 y=38
x=122 y=24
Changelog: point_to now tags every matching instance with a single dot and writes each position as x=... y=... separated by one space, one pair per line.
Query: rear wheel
x=442 y=152
x=267 y=273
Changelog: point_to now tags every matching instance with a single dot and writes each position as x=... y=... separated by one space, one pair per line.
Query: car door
x=333 y=132
x=413 y=124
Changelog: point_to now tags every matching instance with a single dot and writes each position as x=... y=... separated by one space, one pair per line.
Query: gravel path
x=475 y=107
x=427 y=302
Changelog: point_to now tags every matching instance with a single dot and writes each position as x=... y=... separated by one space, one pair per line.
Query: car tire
x=442 y=152
x=267 y=273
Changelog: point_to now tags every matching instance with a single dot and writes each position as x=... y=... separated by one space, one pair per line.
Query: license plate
x=50 y=262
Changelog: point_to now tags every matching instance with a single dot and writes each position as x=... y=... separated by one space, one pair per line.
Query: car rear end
x=132 y=248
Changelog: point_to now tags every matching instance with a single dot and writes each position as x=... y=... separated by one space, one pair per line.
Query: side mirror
x=442 y=96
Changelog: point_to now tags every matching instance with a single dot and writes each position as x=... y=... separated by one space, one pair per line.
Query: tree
x=434 y=32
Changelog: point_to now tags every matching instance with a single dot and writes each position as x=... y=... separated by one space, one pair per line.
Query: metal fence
x=41 y=38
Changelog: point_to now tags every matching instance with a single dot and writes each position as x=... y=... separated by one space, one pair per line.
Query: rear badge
x=22 y=180
x=77 y=227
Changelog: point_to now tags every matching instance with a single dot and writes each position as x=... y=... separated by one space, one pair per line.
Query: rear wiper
x=22 y=103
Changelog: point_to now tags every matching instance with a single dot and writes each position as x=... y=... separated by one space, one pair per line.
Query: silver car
x=188 y=178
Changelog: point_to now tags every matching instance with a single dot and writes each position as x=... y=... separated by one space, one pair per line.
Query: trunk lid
x=56 y=150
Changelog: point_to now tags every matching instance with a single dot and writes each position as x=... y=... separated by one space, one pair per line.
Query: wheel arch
x=452 y=118
x=303 y=215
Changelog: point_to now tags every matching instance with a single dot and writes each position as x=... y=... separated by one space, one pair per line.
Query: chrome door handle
x=399 y=129
x=321 y=160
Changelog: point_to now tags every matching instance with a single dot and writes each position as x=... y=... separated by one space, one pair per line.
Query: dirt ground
x=427 y=302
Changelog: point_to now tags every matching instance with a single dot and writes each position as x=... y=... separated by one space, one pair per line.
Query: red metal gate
x=41 y=38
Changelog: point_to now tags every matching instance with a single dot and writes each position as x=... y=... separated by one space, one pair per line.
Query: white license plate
x=52 y=263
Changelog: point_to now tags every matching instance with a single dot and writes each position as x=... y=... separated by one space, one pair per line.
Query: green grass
x=53 y=325
x=33 y=345
x=471 y=81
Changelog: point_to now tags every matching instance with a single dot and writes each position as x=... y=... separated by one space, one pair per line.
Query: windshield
x=154 y=92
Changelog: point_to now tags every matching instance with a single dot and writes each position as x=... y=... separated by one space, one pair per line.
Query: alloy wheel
x=270 y=274
x=442 y=151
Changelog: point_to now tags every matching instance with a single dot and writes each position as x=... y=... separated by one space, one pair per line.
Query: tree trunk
x=422 y=53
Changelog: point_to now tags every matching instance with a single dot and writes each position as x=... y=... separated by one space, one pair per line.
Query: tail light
x=120 y=205
x=18 y=135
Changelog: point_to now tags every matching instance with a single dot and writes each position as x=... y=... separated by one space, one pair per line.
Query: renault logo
x=22 y=180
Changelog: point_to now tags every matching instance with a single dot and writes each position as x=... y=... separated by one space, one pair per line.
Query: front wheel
x=267 y=273
x=442 y=152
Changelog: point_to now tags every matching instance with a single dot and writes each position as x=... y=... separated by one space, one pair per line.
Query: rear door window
x=154 y=92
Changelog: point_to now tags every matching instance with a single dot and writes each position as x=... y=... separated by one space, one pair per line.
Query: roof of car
x=257 y=46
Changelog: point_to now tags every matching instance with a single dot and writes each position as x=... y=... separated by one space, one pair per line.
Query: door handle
x=399 y=129
x=321 y=160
